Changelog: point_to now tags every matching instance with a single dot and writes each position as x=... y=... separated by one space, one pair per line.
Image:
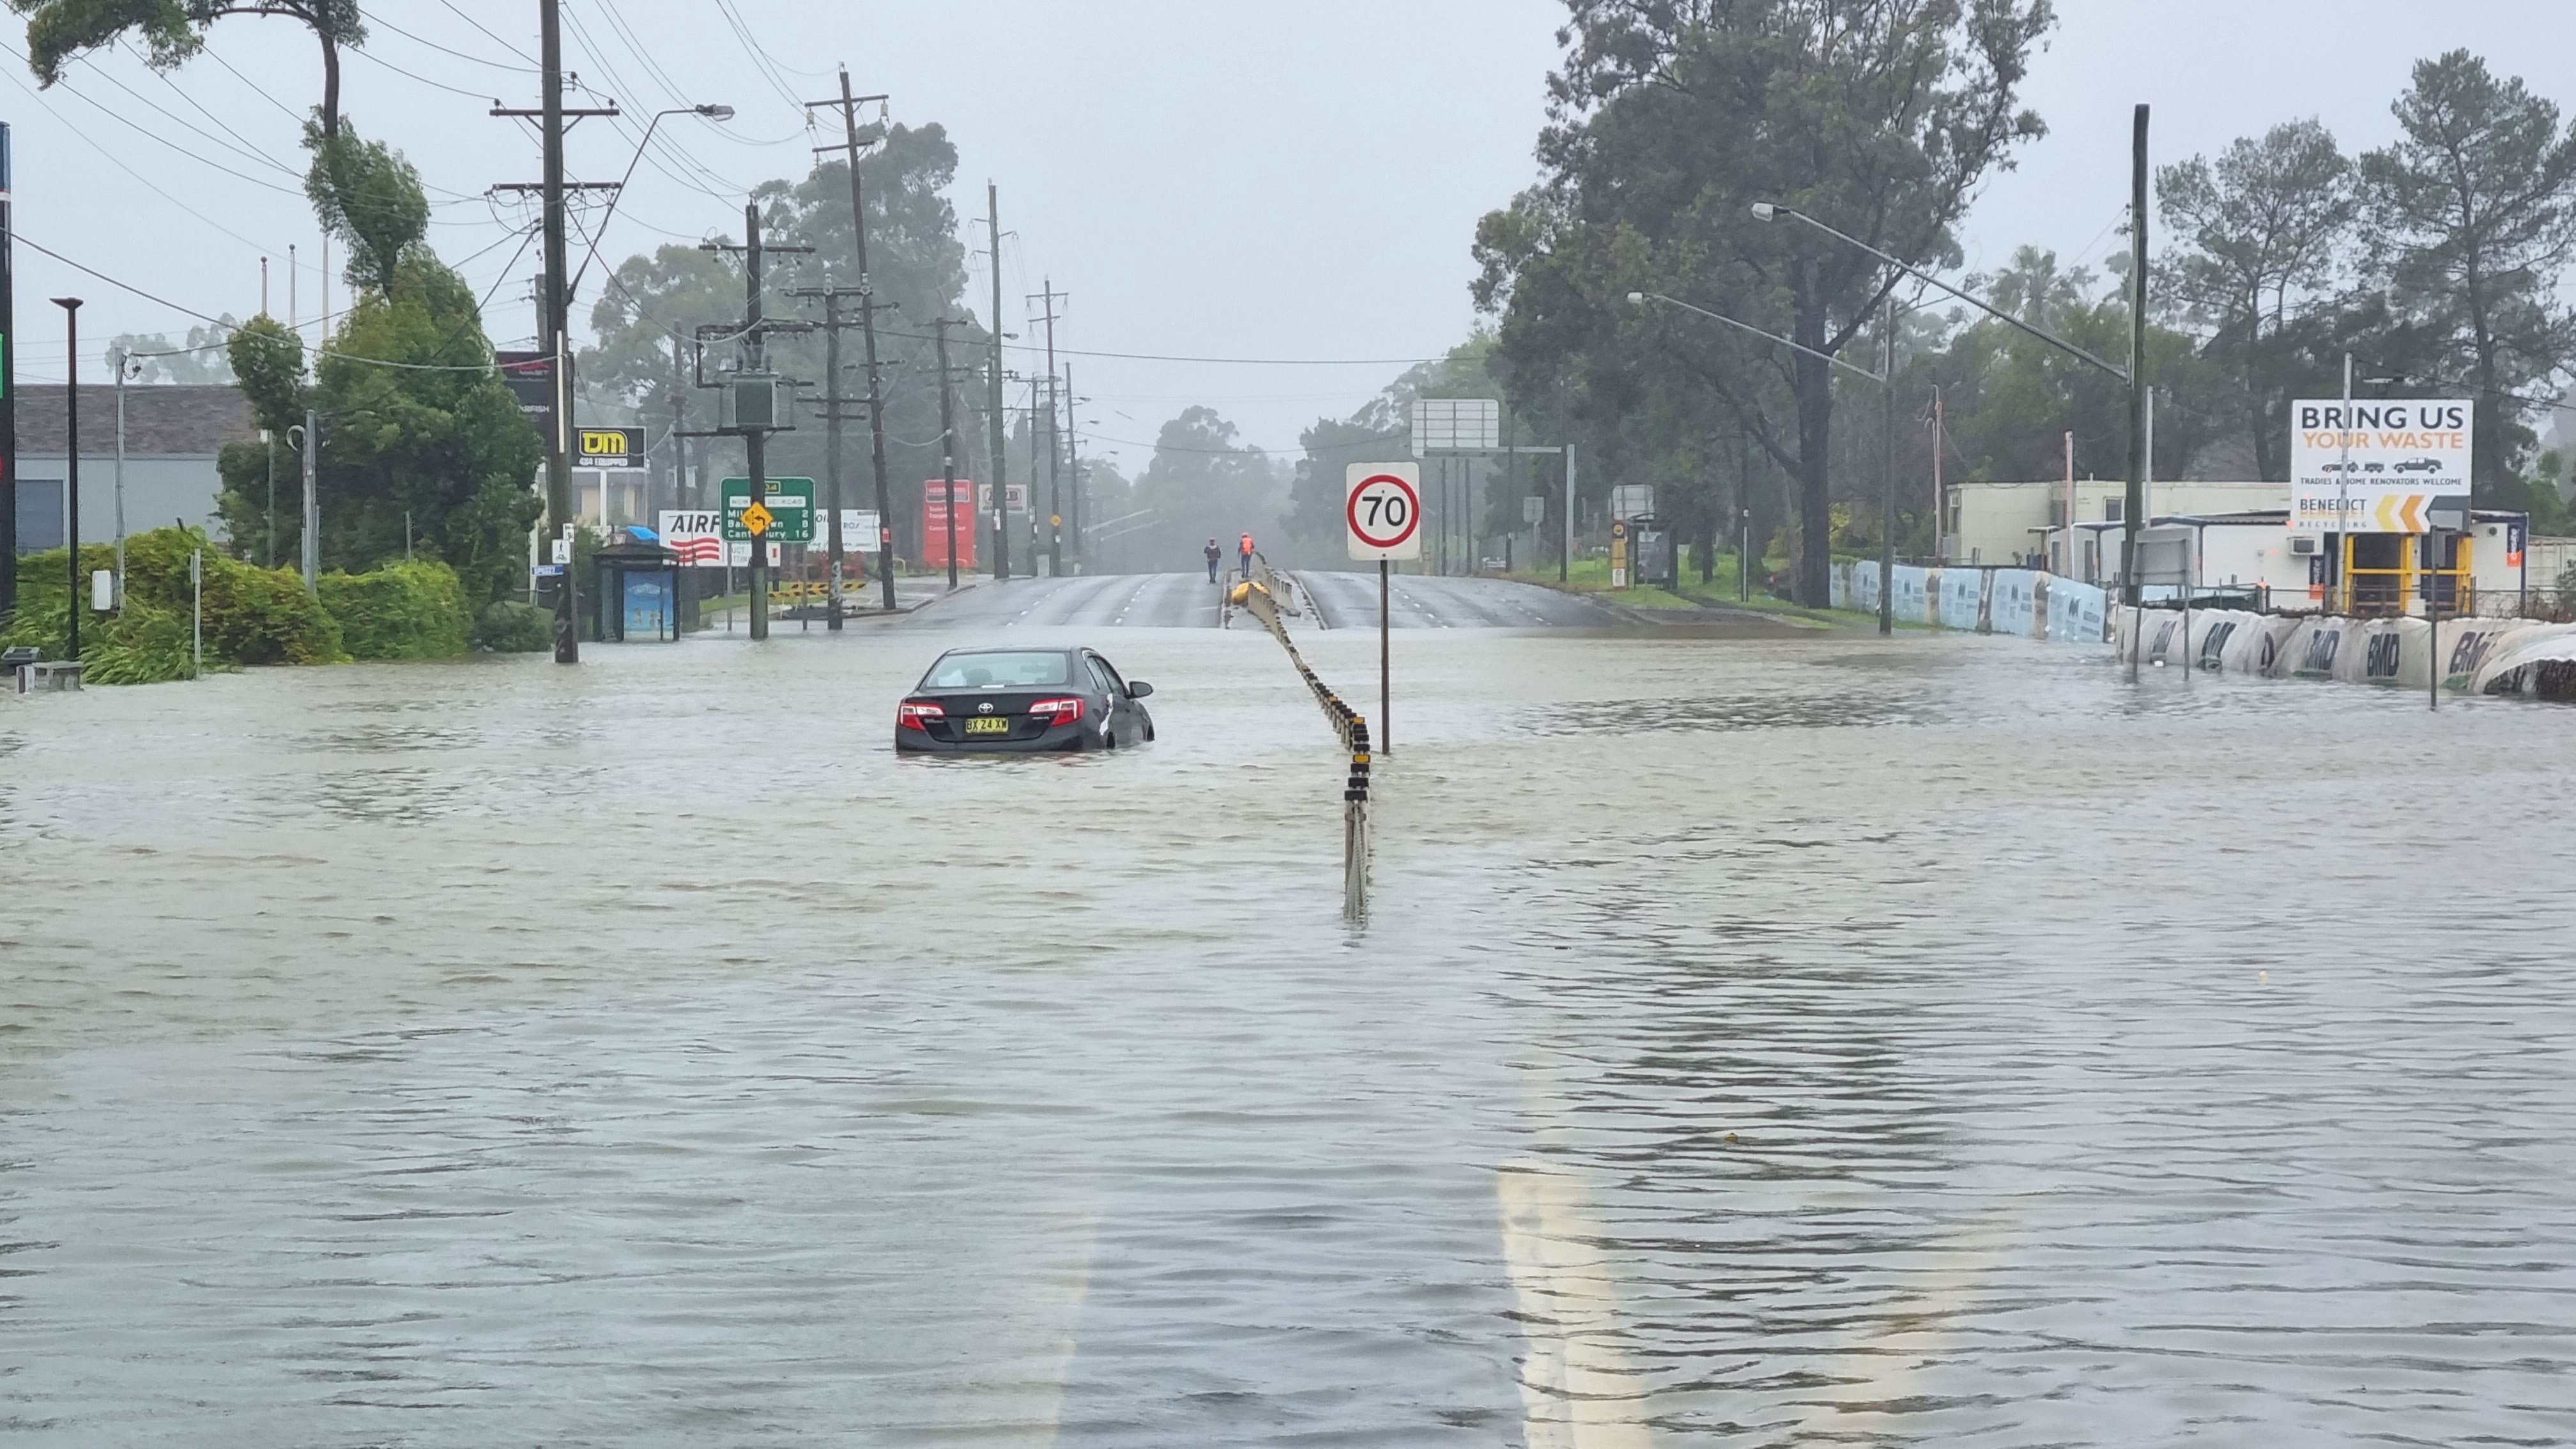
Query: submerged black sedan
x=1022 y=701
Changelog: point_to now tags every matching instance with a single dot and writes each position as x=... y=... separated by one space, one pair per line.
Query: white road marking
x=1577 y=1391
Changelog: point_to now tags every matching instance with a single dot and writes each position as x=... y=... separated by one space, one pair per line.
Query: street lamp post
x=1887 y=458
x=599 y=234
x=71 y=474
x=2133 y=375
x=1887 y=379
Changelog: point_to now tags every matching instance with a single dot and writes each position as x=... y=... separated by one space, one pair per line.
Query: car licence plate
x=988 y=725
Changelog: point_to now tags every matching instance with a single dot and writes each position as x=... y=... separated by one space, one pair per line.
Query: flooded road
x=1755 y=1041
x=1188 y=601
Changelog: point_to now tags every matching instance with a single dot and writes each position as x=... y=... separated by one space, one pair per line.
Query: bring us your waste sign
x=2374 y=465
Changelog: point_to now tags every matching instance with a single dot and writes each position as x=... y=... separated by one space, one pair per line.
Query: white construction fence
x=2026 y=603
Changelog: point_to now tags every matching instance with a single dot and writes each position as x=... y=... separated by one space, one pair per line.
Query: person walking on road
x=1247 y=555
x=1215 y=556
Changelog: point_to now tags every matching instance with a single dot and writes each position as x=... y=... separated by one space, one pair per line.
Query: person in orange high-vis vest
x=1247 y=555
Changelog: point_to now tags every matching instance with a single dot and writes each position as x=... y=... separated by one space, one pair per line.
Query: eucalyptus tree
x=172 y=32
x=2263 y=236
x=2471 y=217
x=1668 y=121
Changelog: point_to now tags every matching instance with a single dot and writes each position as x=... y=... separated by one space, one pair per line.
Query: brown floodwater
x=1753 y=1041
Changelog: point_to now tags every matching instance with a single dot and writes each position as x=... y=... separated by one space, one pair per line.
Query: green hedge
x=253 y=615
x=507 y=626
x=412 y=610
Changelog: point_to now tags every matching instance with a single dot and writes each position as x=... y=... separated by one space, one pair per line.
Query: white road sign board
x=1384 y=510
x=1457 y=425
x=2378 y=463
x=859 y=532
x=697 y=536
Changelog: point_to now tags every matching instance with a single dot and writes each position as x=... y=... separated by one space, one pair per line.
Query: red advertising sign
x=935 y=506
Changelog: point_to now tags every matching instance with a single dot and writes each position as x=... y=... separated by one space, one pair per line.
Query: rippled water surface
x=1801 y=1041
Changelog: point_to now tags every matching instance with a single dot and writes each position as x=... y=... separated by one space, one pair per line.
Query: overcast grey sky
x=1245 y=179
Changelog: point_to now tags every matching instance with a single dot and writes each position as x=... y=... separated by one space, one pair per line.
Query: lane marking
x=1577 y=1391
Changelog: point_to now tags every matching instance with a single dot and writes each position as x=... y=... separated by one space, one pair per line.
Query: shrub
x=507 y=626
x=410 y=610
x=143 y=645
x=253 y=615
x=263 y=616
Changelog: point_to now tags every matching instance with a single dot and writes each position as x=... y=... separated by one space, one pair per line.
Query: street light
x=2132 y=375
x=712 y=113
x=1771 y=211
x=1885 y=379
x=71 y=473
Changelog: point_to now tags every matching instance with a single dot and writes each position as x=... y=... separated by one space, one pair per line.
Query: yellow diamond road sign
x=757 y=518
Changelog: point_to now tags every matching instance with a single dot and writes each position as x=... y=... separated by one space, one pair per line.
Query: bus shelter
x=643 y=593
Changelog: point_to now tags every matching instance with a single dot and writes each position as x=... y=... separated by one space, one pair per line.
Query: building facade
x=2007 y=523
x=172 y=436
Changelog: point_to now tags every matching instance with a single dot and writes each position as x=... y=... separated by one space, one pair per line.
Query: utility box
x=759 y=404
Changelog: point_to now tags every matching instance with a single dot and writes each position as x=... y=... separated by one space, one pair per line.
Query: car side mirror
x=1138 y=689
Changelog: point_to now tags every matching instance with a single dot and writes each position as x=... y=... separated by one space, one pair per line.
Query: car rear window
x=997 y=671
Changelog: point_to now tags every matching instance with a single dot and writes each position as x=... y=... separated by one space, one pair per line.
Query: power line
x=318 y=351
x=147 y=184
x=459 y=54
x=646 y=146
x=760 y=61
x=209 y=115
x=505 y=45
x=21 y=236
x=124 y=120
x=244 y=149
x=424 y=80
x=1232 y=361
x=636 y=48
x=599 y=54
x=256 y=88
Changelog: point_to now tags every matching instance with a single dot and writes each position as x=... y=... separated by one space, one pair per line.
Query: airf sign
x=609 y=448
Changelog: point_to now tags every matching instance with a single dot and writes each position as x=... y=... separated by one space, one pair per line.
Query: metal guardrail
x=1350 y=725
x=1282 y=588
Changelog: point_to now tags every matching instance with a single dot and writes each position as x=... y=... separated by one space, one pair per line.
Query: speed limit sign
x=1384 y=510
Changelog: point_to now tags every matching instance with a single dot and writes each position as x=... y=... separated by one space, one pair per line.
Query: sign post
x=2449 y=516
x=1383 y=510
x=9 y=398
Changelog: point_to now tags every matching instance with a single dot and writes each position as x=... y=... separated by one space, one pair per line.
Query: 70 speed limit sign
x=1384 y=510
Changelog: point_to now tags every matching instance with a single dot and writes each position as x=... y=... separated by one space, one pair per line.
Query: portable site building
x=2484 y=570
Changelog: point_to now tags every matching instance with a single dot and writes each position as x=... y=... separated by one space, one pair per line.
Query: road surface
x=1800 y=1040
x=1349 y=601
x=1189 y=601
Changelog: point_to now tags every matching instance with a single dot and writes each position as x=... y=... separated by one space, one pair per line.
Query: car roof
x=1016 y=649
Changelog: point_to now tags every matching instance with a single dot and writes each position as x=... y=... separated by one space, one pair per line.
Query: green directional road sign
x=791 y=500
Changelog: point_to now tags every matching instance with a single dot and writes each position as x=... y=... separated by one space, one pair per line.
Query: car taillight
x=914 y=714
x=1057 y=711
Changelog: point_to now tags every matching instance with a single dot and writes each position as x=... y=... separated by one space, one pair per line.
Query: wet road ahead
x=1189 y=601
x=1417 y=601
x=1094 y=601
x=1809 y=1041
